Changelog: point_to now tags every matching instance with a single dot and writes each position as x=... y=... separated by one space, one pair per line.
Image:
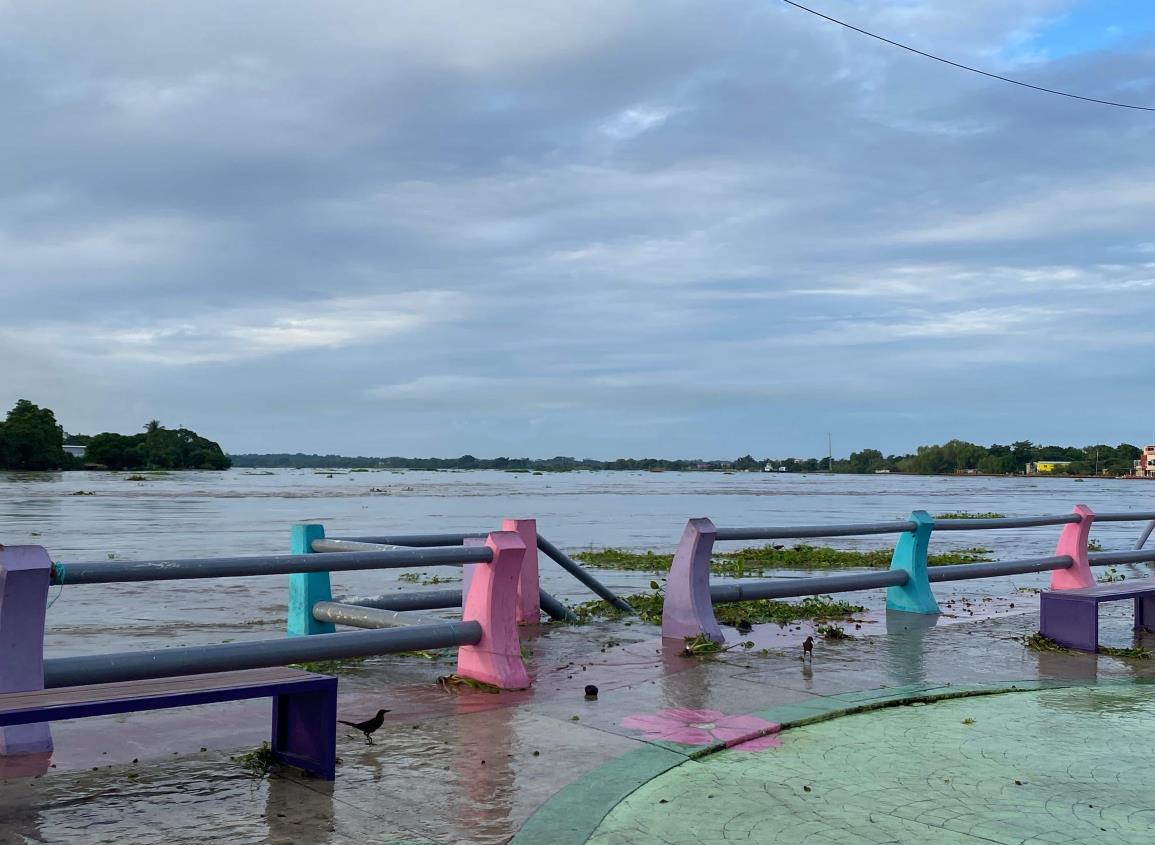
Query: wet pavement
x=473 y=767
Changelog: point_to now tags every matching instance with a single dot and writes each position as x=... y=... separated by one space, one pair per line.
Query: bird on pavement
x=808 y=648
x=368 y=726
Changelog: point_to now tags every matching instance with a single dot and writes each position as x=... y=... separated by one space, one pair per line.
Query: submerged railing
x=690 y=597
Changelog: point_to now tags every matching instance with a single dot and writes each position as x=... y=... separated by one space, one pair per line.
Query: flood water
x=200 y=514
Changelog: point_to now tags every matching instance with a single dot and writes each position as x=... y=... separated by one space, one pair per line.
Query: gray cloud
x=541 y=228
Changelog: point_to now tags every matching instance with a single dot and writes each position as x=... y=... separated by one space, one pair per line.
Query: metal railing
x=690 y=596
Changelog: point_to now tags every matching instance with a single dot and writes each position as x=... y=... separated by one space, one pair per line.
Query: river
x=243 y=511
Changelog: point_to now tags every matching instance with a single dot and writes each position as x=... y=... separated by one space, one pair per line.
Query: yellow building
x=1047 y=466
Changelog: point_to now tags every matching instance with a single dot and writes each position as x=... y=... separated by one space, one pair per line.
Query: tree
x=30 y=439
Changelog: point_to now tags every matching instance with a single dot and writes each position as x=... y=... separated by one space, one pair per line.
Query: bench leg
x=1070 y=623
x=1145 y=613
x=24 y=575
x=305 y=730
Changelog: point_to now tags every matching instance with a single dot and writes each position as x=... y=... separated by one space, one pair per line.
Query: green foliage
x=649 y=609
x=754 y=561
x=833 y=632
x=258 y=761
x=156 y=448
x=1138 y=653
x=700 y=644
x=1037 y=642
x=969 y=515
x=30 y=439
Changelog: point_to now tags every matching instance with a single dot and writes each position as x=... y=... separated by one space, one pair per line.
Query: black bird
x=808 y=648
x=369 y=726
x=744 y=626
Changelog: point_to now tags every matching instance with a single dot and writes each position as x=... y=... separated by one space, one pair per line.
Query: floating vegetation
x=649 y=608
x=1094 y=546
x=969 y=515
x=422 y=578
x=83 y=493
x=137 y=477
x=833 y=632
x=968 y=721
x=328 y=667
x=258 y=761
x=1037 y=642
x=1111 y=574
x=450 y=682
x=1138 y=653
x=700 y=644
x=755 y=561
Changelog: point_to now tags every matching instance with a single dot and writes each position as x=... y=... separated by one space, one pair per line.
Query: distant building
x=75 y=451
x=1145 y=466
x=1045 y=467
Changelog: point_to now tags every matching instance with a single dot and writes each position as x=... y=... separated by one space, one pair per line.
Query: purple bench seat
x=1071 y=617
x=304 y=707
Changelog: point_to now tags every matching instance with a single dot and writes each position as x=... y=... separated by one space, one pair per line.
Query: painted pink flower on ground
x=704 y=727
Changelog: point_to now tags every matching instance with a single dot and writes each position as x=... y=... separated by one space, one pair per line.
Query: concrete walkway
x=472 y=767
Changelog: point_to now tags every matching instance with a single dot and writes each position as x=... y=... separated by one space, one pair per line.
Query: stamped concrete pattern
x=1029 y=768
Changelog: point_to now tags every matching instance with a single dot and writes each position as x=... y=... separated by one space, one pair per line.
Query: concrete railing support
x=492 y=602
x=24 y=575
x=1073 y=543
x=307 y=588
x=910 y=554
x=688 y=610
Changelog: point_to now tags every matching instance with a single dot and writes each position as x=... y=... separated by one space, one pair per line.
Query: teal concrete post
x=307 y=588
x=910 y=556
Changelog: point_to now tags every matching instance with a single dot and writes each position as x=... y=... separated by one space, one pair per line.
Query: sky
x=599 y=229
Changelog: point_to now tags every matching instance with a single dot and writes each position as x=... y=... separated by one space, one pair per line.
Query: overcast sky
x=602 y=228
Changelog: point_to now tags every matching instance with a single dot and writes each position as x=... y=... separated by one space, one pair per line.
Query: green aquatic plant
x=1138 y=653
x=449 y=682
x=1037 y=642
x=969 y=515
x=700 y=644
x=649 y=609
x=744 y=563
x=258 y=761
x=422 y=578
x=833 y=632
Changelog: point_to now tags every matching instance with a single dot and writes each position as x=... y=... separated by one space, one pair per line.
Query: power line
x=968 y=67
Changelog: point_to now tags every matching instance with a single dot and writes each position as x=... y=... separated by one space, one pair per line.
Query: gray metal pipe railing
x=1004 y=522
x=254 y=654
x=356 y=616
x=805 y=531
x=101 y=572
x=793 y=587
x=416 y=540
x=327 y=545
x=575 y=569
x=1142 y=541
x=1134 y=516
x=1113 y=558
x=967 y=571
x=444 y=599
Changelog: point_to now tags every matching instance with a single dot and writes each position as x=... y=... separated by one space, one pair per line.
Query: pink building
x=1145 y=466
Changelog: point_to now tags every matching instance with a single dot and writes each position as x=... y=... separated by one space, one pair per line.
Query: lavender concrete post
x=1073 y=542
x=492 y=601
x=688 y=610
x=528 y=586
x=307 y=588
x=24 y=575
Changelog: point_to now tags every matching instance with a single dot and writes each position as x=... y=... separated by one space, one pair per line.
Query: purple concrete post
x=688 y=610
x=492 y=601
x=24 y=575
x=1073 y=542
x=528 y=587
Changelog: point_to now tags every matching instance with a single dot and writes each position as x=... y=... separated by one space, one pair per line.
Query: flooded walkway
x=473 y=767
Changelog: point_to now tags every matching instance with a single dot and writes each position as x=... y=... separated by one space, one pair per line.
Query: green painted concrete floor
x=1026 y=768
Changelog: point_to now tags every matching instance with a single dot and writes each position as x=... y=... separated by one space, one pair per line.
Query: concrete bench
x=1071 y=617
x=304 y=707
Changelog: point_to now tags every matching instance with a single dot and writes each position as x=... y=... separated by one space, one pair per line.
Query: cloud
x=546 y=227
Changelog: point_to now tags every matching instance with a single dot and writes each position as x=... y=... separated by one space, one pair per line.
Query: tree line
x=31 y=439
x=948 y=458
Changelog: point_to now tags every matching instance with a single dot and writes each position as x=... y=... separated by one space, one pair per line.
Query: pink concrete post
x=492 y=601
x=688 y=610
x=528 y=586
x=24 y=575
x=1073 y=542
